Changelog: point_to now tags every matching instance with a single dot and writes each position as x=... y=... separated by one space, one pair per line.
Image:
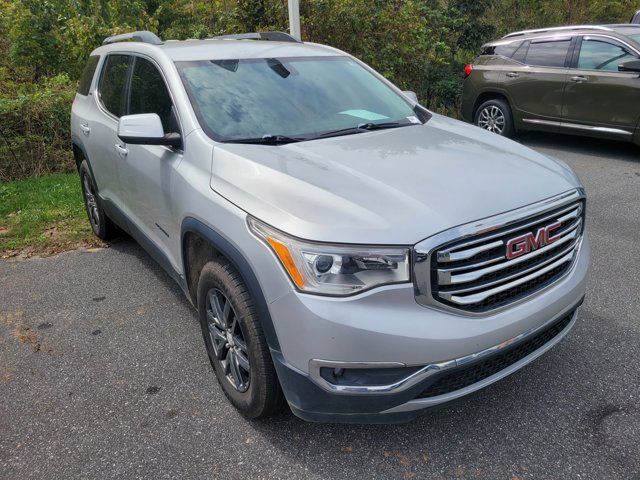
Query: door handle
x=578 y=79
x=85 y=128
x=122 y=150
x=513 y=74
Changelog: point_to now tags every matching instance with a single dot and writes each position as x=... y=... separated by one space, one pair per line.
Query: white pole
x=294 y=19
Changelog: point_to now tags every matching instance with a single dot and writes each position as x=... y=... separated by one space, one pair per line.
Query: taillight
x=468 y=68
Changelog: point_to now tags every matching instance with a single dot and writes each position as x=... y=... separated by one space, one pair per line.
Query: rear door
x=84 y=108
x=536 y=79
x=597 y=94
x=111 y=96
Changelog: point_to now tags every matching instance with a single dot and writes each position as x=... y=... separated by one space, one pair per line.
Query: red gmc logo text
x=524 y=244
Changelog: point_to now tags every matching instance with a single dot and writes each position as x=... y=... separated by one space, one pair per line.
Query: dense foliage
x=419 y=44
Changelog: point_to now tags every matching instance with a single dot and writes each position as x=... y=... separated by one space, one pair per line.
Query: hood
x=394 y=186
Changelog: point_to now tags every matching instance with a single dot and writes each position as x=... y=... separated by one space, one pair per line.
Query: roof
x=620 y=31
x=223 y=49
x=626 y=28
x=232 y=49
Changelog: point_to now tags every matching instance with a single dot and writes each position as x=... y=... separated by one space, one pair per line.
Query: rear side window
x=490 y=50
x=87 y=75
x=149 y=93
x=548 y=54
x=599 y=55
x=113 y=83
x=504 y=50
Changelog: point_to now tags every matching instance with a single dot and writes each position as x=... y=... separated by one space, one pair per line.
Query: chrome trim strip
x=425 y=372
x=445 y=278
x=423 y=250
x=516 y=275
x=447 y=256
x=517 y=229
x=569 y=216
x=588 y=128
x=421 y=403
x=558 y=29
x=475 y=265
x=479 y=297
x=399 y=386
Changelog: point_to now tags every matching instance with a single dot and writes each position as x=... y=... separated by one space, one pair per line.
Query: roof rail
x=272 y=36
x=557 y=29
x=143 y=36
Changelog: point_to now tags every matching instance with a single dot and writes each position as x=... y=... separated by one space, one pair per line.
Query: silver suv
x=348 y=251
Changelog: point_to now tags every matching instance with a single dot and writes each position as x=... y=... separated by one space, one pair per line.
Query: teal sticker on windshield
x=364 y=114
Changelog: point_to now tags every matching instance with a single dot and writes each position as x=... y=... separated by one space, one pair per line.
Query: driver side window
x=149 y=94
x=602 y=55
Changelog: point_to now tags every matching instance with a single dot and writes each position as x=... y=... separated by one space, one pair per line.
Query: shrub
x=34 y=133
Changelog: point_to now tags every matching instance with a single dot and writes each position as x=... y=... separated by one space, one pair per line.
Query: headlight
x=334 y=269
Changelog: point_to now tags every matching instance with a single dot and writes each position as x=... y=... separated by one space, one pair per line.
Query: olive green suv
x=582 y=79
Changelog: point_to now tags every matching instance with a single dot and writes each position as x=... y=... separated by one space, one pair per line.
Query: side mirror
x=632 y=66
x=146 y=129
x=411 y=95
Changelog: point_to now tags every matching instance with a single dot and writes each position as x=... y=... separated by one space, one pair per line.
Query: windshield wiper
x=269 y=140
x=283 y=139
x=362 y=127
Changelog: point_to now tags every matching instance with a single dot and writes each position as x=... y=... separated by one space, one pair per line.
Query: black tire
x=488 y=117
x=101 y=224
x=260 y=395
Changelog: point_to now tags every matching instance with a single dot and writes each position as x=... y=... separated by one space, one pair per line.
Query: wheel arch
x=490 y=95
x=199 y=244
x=79 y=154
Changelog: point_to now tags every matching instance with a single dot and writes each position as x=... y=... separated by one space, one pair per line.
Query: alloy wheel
x=228 y=340
x=492 y=118
x=91 y=202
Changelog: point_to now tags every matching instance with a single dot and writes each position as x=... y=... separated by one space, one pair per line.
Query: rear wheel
x=495 y=116
x=101 y=225
x=235 y=343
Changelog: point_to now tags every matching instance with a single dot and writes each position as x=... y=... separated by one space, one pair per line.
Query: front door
x=599 y=95
x=149 y=171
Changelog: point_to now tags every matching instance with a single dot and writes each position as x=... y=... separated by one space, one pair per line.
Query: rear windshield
x=301 y=97
x=87 y=75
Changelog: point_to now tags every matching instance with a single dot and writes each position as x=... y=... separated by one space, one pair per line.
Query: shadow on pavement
x=128 y=246
x=577 y=145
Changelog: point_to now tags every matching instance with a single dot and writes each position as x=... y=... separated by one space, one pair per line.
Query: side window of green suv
x=550 y=53
x=602 y=55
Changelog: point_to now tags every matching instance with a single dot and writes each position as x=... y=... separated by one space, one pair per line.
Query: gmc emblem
x=529 y=242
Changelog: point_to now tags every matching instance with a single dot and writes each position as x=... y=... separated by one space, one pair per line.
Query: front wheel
x=495 y=116
x=235 y=343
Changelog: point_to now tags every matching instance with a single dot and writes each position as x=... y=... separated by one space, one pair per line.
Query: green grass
x=43 y=215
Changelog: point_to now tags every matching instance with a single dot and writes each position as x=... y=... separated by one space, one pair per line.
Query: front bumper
x=387 y=328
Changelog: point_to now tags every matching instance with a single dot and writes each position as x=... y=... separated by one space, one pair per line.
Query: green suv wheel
x=495 y=116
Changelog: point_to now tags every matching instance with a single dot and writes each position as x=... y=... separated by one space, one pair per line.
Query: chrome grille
x=474 y=274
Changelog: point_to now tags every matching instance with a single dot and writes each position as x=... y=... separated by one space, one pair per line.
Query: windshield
x=297 y=98
x=636 y=37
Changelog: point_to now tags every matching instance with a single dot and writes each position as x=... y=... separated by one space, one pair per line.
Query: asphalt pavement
x=103 y=374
